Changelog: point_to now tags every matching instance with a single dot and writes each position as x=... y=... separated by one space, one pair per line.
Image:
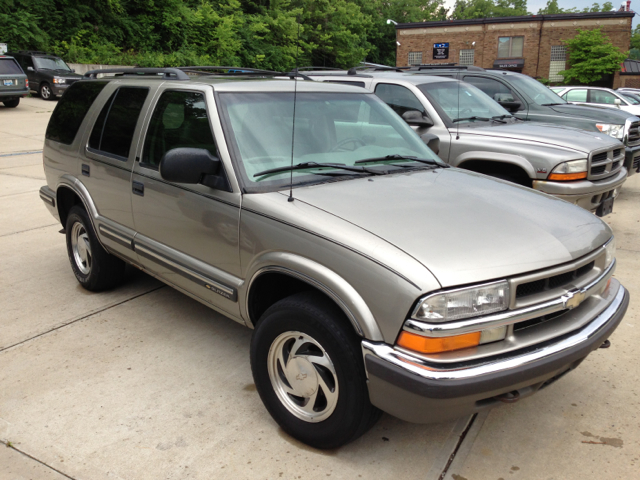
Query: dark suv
x=528 y=99
x=13 y=82
x=48 y=74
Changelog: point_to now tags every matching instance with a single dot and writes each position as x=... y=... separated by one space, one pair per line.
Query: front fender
x=321 y=277
x=496 y=158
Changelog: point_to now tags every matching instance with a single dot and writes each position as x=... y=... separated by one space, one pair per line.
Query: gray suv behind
x=375 y=276
x=13 y=82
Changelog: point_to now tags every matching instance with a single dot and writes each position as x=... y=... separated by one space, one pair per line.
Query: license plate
x=8 y=83
x=606 y=208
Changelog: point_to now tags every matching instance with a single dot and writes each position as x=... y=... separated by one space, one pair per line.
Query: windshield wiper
x=302 y=166
x=551 y=104
x=499 y=118
x=402 y=157
x=483 y=119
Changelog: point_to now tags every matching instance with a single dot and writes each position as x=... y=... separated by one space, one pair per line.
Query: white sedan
x=599 y=96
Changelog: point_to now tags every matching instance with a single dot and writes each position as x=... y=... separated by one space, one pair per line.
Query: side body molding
x=321 y=277
x=495 y=158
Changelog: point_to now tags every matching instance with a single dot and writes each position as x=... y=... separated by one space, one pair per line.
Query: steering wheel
x=347 y=141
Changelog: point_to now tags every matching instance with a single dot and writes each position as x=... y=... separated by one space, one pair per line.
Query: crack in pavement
x=22 y=176
x=463 y=435
x=82 y=317
x=20 y=193
x=28 y=230
x=8 y=444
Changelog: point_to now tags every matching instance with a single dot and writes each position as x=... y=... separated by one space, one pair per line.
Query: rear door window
x=8 y=66
x=113 y=131
x=576 y=95
x=602 y=96
x=495 y=89
x=71 y=109
x=399 y=98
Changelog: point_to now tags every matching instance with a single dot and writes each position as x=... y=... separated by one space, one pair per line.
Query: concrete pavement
x=145 y=383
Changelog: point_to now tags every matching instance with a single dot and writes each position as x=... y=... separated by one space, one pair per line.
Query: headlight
x=58 y=80
x=615 y=131
x=573 y=170
x=463 y=303
x=610 y=252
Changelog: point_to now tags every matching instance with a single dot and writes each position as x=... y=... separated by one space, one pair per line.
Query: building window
x=558 y=63
x=415 y=58
x=466 y=57
x=510 y=47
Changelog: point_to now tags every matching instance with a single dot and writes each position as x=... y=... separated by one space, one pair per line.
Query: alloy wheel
x=81 y=248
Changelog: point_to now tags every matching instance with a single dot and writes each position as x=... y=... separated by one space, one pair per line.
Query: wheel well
x=506 y=171
x=272 y=287
x=66 y=199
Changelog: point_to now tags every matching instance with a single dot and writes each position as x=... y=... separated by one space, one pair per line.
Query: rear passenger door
x=186 y=233
x=109 y=153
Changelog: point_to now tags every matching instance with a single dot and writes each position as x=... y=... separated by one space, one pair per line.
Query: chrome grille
x=634 y=134
x=599 y=157
x=604 y=164
x=598 y=170
x=617 y=152
x=556 y=281
x=636 y=162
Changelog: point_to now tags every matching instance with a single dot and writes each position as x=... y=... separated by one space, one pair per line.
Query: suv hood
x=543 y=133
x=598 y=114
x=462 y=226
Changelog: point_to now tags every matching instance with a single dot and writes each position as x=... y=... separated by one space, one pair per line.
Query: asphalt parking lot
x=143 y=382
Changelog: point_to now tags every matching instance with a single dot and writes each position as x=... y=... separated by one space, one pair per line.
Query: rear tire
x=308 y=369
x=11 y=103
x=94 y=268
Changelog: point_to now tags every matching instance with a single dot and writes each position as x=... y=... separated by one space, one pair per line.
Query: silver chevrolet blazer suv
x=375 y=276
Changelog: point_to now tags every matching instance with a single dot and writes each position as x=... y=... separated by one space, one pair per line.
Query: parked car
x=374 y=275
x=48 y=74
x=13 y=82
x=468 y=129
x=528 y=99
x=600 y=96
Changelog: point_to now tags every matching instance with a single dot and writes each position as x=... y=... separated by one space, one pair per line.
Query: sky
x=534 y=5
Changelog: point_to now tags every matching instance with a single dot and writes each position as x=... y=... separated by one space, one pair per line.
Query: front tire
x=45 y=92
x=94 y=268
x=308 y=369
x=12 y=103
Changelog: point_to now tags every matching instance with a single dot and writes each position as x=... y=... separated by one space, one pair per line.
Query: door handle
x=85 y=170
x=138 y=188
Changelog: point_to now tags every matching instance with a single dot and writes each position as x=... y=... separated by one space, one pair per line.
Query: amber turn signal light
x=565 y=177
x=421 y=344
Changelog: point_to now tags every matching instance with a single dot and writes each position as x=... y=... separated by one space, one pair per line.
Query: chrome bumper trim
x=569 y=300
x=426 y=370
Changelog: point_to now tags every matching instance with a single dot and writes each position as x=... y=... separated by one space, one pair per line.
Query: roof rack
x=33 y=52
x=354 y=70
x=318 y=68
x=160 y=73
x=243 y=71
x=472 y=68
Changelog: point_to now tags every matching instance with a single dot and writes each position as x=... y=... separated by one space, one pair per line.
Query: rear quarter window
x=8 y=66
x=71 y=109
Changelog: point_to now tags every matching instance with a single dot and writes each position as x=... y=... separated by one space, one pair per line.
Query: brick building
x=531 y=44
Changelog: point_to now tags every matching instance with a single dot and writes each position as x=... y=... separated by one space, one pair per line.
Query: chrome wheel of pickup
x=81 y=247
x=303 y=376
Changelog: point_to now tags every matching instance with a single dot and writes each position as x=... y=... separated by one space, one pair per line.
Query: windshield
x=459 y=100
x=631 y=98
x=339 y=128
x=50 y=63
x=535 y=90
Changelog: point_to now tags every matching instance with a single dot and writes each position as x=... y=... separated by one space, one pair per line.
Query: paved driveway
x=145 y=383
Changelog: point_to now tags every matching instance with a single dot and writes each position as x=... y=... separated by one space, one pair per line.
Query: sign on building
x=440 y=51
x=3 y=48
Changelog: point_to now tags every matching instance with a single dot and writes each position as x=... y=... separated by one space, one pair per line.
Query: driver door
x=186 y=233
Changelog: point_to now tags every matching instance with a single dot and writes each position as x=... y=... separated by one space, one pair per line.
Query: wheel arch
x=71 y=192
x=486 y=158
x=294 y=274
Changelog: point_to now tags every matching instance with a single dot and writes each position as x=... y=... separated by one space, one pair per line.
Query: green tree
x=553 y=8
x=591 y=55
x=467 y=9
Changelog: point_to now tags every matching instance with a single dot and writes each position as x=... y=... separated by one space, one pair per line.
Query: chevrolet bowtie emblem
x=301 y=376
x=572 y=299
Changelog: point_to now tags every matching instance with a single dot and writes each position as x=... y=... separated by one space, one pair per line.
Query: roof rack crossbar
x=168 y=73
x=243 y=71
x=445 y=67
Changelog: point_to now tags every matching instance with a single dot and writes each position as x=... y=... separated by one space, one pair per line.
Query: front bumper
x=421 y=393
x=59 y=89
x=632 y=160
x=584 y=193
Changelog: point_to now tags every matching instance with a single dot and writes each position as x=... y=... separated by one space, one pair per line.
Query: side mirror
x=417 y=119
x=511 y=106
x=73 y=70
x=188 y=165
x=30 y=69
x=617 y=102
x=432 y=141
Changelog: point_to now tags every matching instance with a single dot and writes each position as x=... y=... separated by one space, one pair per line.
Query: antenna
x=293 y=126
x=458 y=123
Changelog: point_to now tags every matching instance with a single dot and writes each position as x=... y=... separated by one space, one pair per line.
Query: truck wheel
x=12 y=103
x=93 y=267
x=308 y=369
x=45 y=92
